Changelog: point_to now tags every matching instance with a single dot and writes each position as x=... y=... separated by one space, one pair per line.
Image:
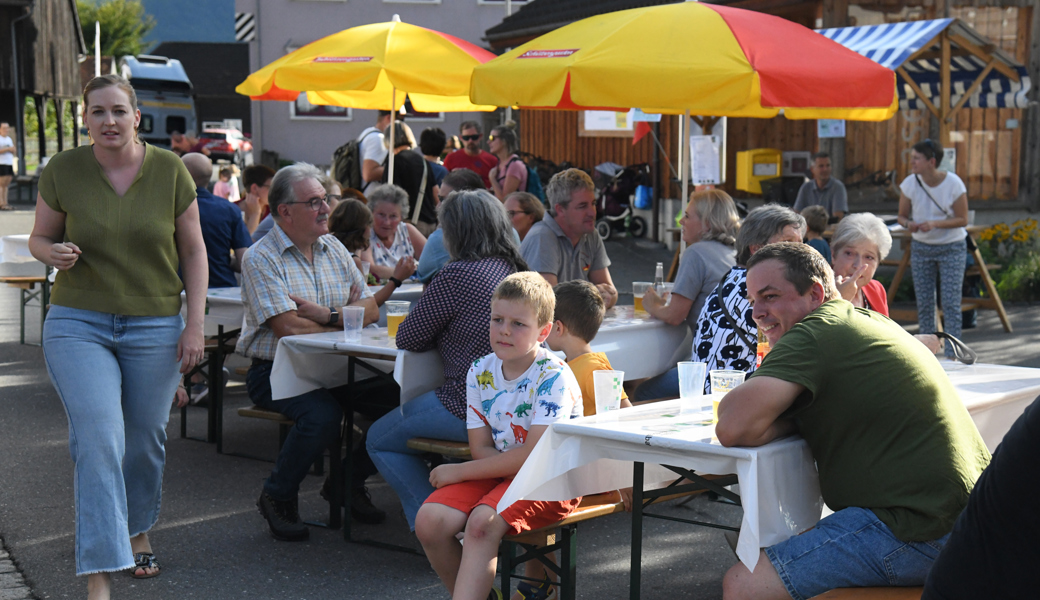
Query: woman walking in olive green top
x=117 y=219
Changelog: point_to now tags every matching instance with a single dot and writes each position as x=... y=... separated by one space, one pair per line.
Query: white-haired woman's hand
x=848 y=287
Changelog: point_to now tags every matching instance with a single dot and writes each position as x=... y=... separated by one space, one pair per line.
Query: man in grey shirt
x=564 y=245
x=823 y=190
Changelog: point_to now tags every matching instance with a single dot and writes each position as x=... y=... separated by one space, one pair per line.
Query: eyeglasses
x=336 y=197
x=491 y=137
x=514 y=213
x=470 y=138
x=314 y=204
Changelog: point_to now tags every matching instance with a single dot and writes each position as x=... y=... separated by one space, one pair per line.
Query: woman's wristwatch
x=395 y=281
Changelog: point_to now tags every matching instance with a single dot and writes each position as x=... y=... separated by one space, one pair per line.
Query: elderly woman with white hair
x=860 y=242
x=392 y=237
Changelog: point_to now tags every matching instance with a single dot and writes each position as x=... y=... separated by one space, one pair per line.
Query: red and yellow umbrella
x=706 y=59
x=366 y=66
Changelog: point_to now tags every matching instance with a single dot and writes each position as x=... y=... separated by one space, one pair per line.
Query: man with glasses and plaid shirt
x=471 y=156
x=294 y=281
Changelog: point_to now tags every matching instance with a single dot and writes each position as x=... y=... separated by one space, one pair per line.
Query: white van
x=164 y=95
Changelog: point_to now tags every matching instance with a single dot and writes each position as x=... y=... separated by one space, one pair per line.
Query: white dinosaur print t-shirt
x=547 y=392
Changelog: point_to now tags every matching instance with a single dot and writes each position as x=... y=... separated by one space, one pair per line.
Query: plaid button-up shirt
x=274 y=268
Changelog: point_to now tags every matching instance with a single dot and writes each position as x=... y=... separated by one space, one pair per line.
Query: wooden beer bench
x=881 y=593
x=980 y=268
x=29 y=293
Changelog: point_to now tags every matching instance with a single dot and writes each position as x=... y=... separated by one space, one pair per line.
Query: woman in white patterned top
x=392 y=237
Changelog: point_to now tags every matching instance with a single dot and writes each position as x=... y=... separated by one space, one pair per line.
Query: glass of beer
x=396 y=311
x=721 y=383
x=638 y=291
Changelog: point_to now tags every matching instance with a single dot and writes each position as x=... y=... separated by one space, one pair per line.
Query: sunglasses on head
x=935 y=148
x=469 y=138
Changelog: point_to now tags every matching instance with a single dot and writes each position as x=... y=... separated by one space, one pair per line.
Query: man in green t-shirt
x=896 y=450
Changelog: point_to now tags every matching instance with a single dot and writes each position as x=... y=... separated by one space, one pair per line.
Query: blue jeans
x=403 y=468
x=947 y=261
x=851 y=548
x=665 y=385
x=317 y=417
x=116 y=376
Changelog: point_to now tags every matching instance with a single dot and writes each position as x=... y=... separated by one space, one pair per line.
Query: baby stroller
x=616 y=186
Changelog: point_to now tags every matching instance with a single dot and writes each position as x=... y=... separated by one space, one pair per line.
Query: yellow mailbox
x=755 y=165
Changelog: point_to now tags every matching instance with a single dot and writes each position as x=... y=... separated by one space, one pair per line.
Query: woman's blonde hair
x=716 y=209
x=103 y=81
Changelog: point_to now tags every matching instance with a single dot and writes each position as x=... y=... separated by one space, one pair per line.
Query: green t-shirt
x=129 y=261
x=885 y=425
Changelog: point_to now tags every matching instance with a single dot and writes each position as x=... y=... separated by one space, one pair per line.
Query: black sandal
x=145 y=560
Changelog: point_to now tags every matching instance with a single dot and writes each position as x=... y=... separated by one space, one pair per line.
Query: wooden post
x=1029 y=181
x=835 y=14
x=944 y=95
x=74 y=107
x=59 y=109
x=41 y=121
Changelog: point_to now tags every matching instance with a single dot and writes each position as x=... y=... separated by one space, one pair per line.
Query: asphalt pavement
x=213 y=544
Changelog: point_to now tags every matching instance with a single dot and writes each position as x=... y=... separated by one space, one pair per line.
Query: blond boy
x=512 y=396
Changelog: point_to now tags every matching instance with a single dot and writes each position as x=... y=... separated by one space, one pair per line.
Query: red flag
x=642 y=128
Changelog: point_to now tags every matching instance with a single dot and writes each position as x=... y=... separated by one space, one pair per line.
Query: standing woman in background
x=933 y=205
x=117 y=218
x=7 y=152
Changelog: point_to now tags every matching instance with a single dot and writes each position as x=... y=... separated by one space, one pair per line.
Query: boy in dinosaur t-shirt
x=512 y=396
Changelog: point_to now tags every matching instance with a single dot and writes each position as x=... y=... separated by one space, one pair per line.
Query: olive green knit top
x=129 y=262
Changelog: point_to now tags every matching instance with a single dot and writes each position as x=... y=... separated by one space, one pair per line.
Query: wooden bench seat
x=881 y=593
x=442 y=447
x=25 y=282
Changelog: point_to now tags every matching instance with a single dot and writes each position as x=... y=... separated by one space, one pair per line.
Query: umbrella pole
x=684 y=163
x=393 y=135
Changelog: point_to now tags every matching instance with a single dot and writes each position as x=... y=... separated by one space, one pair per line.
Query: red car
x=228 y=144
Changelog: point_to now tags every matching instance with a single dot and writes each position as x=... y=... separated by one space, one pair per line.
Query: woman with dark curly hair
x=351 y=223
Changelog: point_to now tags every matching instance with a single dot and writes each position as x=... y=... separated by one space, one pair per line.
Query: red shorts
x=521 y=516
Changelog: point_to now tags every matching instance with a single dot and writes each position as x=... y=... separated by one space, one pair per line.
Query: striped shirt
x=274 y=268
x=454 y=316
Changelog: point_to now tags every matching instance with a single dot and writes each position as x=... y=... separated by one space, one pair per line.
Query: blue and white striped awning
x=891 y=44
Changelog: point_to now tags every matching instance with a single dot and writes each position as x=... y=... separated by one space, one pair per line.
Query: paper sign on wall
x=705 y=151
x=830 y=128
x=607 y=120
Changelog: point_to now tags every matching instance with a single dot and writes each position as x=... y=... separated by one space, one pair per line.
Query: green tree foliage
x=123 y=25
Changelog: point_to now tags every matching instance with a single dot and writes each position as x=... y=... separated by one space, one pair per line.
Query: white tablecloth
x=779 y=486
x=15 y=248
x=778 y=482
x=995 y=395
x=319 y=360
x=641 y=347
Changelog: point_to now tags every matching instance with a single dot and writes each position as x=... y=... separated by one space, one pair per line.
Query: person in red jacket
x=471 y=156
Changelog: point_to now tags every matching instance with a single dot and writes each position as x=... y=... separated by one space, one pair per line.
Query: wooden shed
x=998 y=147
x=47 y=39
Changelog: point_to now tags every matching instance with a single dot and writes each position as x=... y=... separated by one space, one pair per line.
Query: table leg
x=904 y=262
x=217 y=393
x=991 y=289
x=636 y=576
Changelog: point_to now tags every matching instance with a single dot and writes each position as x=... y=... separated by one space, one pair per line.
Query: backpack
x=346 y=163
x=534 y=182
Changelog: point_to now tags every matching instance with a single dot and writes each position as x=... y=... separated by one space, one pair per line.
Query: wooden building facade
x=48 y=41
x=998 y=149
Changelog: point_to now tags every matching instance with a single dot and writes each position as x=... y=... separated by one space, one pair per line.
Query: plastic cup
x=666 y=291
x=365 y=267
x=638 y=291
x=353 y=322
x=721 y=383
x=396 y=311
x=608 y=387
x=691 y=386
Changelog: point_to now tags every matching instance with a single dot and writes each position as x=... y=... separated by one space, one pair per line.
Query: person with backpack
x=510 y=174
x=359 y=162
